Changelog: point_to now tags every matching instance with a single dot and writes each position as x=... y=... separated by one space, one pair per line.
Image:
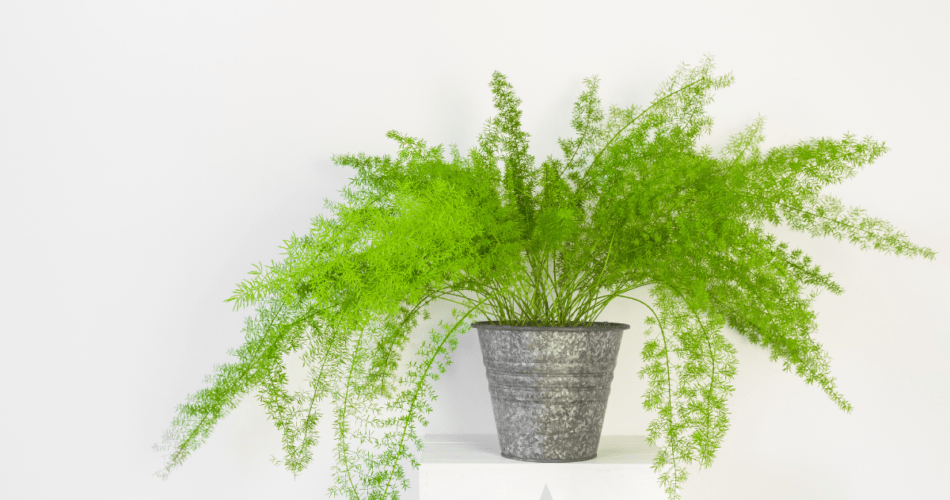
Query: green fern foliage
x=634 y=202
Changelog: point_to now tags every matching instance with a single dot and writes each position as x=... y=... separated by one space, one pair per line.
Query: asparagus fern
x=634 y=202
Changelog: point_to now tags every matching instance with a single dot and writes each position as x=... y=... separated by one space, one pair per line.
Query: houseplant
x=633 y=203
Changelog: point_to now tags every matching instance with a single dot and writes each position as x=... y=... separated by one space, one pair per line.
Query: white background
x=151 y=152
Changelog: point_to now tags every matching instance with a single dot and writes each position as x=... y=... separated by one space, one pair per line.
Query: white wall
x=151 y=152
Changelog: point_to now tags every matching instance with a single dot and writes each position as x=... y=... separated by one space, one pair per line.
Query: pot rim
x=597 y=325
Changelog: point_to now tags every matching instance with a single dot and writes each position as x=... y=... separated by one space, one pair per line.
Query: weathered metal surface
x=549 y=387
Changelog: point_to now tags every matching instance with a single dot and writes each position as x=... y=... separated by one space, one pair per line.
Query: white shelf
x=464 y=467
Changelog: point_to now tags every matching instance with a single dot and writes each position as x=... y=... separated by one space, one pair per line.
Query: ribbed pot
x=549 y=387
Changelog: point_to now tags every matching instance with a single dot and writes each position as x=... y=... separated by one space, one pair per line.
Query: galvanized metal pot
x=549 y=387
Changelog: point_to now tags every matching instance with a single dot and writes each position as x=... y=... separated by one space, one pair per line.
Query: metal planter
x=549 y=387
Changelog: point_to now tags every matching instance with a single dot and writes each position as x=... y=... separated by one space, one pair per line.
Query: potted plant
x=543 y=249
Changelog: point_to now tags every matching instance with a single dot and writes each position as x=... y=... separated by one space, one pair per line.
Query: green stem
x=631 y=122
x=415 y=395
x=669 y=374
x=712 y=357
x=346 y=397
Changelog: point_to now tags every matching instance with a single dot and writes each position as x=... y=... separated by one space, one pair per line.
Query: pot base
x=547 y=461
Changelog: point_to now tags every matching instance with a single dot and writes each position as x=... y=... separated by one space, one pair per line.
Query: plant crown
x=633 y=203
